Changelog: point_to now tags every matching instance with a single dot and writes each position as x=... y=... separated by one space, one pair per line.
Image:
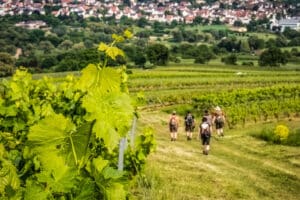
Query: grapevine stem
x=73 y=150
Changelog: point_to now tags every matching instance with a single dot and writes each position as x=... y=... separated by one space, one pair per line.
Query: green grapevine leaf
x=34 y=191
x=58 y=176
x=113 y=113
x=99 y=163
x=128 y=34
x=115 y=191
x=88 y=77
x=8 y=176
x=113 y=52
x=50 y=131
x=81 y=139
x=118 y=38
x=87 y=190
x=111 y=173
x=102 y=47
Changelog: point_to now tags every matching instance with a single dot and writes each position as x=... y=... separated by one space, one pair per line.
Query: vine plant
x=60 y=140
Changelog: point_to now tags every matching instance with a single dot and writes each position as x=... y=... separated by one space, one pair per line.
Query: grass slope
x=238 y=167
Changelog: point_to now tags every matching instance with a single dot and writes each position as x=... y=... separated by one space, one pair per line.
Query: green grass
x=238 y=167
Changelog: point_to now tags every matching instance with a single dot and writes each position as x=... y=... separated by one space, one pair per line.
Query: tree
x=6 y=58
x=256 y=43
x=142 y=22
x=140 y=59
x=245 y=46
x=204 y=54
x=230 y=60
x=272 y=57
x=177 y=36
x=158 y=54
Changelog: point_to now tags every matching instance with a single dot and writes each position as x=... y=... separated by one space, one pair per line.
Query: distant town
x=226 y=11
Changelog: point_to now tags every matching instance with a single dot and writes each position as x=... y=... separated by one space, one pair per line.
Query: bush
x=230 y=60
x=250 y=63
x=294 y=138
x=281 y=133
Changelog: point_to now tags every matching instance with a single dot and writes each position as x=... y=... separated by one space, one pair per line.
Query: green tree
x=142 y=22
x=230 y=60
x=158 y=54
x=6 y=64
x=272 y=57
x=245 y=46
x=204 y=54
x=255 y=43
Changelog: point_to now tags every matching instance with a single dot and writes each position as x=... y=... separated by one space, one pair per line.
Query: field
x=239 y=166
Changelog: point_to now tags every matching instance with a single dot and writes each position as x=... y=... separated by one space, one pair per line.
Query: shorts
x=173 y=128
x=219 y=125
x=205 y=139
x=189 y=128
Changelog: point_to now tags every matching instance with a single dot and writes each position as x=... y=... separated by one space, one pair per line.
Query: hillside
x=238 y=167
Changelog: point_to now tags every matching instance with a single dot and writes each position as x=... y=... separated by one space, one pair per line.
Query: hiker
x=219 y=121
x=205 y=134
x=189 y=122
x=208 y=116
x=173 y=126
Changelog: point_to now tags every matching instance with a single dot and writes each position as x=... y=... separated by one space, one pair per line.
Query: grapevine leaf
x=81 y=139
x=111 y=173
x=99 y=164
x=128 y=34
x=34 y=191
x=88 y=77
x=49 y=133
x=109 y=80
x=58 y=176
x=8 y=176
x=113 y=52
x=102 y=47
x=105 y=79
x=117 y=38
x=113 y=113
x=87 y=190
x=115 y=191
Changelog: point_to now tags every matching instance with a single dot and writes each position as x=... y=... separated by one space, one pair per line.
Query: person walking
x=205 y=135
x=173 y=126
x=219 y=121
x=208 y=116
x=189 y=125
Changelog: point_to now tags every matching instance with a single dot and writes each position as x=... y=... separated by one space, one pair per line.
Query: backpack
x=205 y=129
x=173 y=121
x=219 y=120
x=189 y=121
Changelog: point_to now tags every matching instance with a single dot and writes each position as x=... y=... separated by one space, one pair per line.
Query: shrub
x=248 y=63
x=294 y=138
x=281 y=133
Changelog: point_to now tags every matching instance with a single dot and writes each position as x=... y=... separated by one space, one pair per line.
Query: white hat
x=218 y=108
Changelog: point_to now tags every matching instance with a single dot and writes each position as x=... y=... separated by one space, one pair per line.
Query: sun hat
x=218 y=108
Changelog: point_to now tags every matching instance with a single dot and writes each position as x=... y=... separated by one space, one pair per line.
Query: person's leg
x=175 y=135
x=221 y=132
x=207 y=147
x=191 y=135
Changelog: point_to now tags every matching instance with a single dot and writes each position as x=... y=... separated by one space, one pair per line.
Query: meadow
x=240 y=166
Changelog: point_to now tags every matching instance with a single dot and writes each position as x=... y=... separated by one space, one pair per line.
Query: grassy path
x=238 y=167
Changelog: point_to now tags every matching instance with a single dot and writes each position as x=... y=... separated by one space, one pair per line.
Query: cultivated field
x=239 y=166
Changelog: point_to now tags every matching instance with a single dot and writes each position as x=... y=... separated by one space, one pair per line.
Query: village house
x=163 y=10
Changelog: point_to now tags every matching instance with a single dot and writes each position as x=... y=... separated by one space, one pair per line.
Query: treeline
x=69 y=43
